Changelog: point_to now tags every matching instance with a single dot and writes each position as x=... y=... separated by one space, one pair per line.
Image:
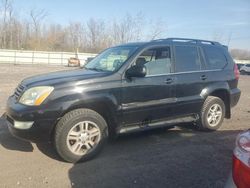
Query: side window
x=186 y=59
x=156 y=60
x=215 y=58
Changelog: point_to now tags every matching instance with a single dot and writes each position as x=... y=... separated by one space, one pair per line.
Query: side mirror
x=136 y=71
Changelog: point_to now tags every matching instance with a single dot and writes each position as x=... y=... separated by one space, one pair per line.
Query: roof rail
x=190 y=40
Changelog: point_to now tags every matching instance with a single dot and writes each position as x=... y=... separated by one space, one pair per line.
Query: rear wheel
x=80 y=135
x=212 y=114
x=243 y=72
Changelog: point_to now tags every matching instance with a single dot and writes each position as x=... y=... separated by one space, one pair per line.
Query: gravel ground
x=178 y=157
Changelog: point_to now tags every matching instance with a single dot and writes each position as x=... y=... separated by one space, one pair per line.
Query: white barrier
x=50 y=58
x=242 y=61
x=40 y=57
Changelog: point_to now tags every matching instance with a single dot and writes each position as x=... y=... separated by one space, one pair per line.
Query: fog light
x=23 y=124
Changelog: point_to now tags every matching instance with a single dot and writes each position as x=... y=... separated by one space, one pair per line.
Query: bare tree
x=127 y=29
x=7 y=10
x=91 y=36
x=56 y=38
x=240 y=54
x=229 y=38
x=218 y=35
x=96 y=34
x=157 y=29
x=37 y=16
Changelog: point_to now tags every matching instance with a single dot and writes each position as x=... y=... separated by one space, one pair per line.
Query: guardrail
x=40 y=57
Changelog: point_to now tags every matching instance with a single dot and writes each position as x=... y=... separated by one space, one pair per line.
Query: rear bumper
x=234 y=97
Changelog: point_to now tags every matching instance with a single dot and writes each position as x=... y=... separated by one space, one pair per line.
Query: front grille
x=18 y=91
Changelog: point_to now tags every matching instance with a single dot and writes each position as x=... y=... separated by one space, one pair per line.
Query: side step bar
x=165 y=123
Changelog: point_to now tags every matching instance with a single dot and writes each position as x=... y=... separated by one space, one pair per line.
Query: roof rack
x=189 y=41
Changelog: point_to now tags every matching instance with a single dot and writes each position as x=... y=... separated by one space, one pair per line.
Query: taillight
x=236 y=72
x=243 y=142
x=241 y=161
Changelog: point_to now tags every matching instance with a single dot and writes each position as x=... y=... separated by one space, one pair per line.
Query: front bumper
x=20 y=117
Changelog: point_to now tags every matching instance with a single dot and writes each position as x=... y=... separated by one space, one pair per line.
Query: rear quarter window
x=215 y=59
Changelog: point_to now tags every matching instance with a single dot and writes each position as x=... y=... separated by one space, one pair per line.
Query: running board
x=165 y=123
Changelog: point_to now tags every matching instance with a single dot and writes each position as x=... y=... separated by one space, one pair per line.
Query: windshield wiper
x=96 y=69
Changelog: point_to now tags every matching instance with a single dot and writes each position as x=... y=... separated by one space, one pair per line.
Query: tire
x=209 y=119
x=243 y=72
x=80 y=135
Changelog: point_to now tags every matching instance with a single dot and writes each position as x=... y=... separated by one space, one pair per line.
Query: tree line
x=240 y=54
x=93 y=35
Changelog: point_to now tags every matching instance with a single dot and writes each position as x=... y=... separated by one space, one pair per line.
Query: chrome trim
x=187 y=72
x=147 y=103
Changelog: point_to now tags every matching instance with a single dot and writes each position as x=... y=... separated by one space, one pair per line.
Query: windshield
x=111 y=59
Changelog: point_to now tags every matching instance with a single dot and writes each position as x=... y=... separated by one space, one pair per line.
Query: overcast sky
x=227 y=20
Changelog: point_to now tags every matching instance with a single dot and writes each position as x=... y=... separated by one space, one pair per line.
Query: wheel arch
x=220 y=90
x=106 y=107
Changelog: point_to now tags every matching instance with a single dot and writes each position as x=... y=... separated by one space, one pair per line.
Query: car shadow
x=10 y=142
x=179 y=157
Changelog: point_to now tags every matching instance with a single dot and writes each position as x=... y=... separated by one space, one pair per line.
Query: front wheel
x=212 y=114
x=80 y=135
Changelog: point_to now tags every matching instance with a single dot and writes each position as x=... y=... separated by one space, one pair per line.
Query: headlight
x=35 y=95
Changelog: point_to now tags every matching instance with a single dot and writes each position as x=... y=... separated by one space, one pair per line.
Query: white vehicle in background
x=245 y=69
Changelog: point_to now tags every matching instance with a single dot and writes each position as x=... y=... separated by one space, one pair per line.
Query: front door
x=151 y=98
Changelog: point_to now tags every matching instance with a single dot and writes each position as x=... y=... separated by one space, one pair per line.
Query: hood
x=62 y=77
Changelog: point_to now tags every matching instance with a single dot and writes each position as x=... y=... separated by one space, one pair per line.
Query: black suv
x=130 y=87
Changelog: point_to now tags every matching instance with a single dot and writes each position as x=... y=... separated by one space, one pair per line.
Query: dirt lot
x=178 y=157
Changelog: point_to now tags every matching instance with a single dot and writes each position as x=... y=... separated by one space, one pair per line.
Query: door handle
x=169 y=80
x=203 y=77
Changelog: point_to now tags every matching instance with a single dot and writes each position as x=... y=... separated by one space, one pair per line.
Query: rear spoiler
x=226 y=47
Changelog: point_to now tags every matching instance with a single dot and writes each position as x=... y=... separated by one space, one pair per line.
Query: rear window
x=215 y=58
x=186 y=59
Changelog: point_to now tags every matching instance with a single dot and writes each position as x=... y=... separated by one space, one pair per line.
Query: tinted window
x=156 y=60
x=215 y=57
x=186 y=59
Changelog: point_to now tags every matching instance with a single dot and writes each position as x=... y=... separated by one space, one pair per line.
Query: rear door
x=151 y=98
x=189 y=79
